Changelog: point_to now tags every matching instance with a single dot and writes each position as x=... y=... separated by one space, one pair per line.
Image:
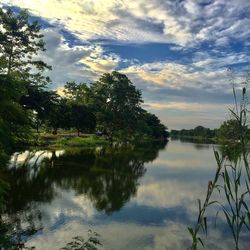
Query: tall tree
x=20 y=73
x=13 y=118
x=154 y=128
x=82 y=118
x=118 y=105
x=20 y=41
x=59 y=115
x=78 y=93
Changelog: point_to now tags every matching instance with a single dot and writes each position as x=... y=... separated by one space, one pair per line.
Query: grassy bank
x=69 y=140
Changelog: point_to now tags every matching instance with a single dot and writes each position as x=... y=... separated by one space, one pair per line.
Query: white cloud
x=175 y=75
x=144 y=21
x=83 y=63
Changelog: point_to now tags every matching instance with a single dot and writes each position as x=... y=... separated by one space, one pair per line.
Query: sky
x=177 y=52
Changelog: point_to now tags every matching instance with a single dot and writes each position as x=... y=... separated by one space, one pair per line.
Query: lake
x=141 y=197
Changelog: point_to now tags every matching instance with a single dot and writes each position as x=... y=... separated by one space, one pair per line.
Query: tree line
x=111 y=105
x=228 y=131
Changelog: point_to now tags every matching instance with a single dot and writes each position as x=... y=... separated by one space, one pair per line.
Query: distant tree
x=117 y=104
x=154 y=128
x=82 y=118
x=199 y=131
x=78 y=93
x=41 y=101
x=81 y=109
x=59 y=115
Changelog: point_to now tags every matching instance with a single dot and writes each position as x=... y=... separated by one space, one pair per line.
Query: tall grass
x=231 y=180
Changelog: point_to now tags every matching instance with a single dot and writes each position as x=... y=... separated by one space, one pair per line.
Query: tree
x=20 y=74
x=41 y=101
x=78 y=93
x=20 y=41
x=229 y=130
x=82 y=118
x=154 y=128
x=59 y=115
x=14 y=120
x=79 y=98
x=117 y=104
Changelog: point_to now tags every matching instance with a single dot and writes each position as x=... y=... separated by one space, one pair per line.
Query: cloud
x=185 y=23
x=82 y=63
x=183 y=106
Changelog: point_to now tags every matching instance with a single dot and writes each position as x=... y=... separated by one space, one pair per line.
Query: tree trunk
x=54 y=131
x=37 y=129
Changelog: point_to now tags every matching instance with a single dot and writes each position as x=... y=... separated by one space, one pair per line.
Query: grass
x=71 y=140
x=229 y=181
x=91 y=141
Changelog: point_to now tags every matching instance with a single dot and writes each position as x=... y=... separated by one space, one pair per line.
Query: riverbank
x=68 y=140
x=197 y=139
x=63 y=139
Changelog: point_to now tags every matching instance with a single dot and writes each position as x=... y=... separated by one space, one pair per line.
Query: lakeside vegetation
x=111 y=106
x=229 y=131
x=198 y=132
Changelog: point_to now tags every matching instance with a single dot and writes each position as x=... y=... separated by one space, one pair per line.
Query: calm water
x=135 y=198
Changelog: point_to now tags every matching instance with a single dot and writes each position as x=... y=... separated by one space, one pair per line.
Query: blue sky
x=176 y=52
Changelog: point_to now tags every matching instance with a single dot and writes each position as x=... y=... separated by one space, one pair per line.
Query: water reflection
x=108 y=177
x=135 y=197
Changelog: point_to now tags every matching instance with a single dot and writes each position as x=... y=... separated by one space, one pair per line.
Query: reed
x=231 y=180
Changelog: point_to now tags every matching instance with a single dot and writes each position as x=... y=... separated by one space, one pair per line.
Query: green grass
x=90 y=141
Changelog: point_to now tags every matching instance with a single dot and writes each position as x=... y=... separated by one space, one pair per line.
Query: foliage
x=118 y=110
x=82 y=118
x=198 y=132
x=229 y=178
x=229 y=130
x=78 y=93
x=20 y=41
x=118 y=105
x=153 y=126
x=14 y=120
x=59 y=115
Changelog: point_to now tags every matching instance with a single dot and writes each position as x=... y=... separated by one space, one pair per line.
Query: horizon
x=176 y=52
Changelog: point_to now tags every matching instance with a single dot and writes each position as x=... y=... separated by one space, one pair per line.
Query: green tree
x=153 y=126
x=59 y=115
x=82 y=118
x=20 y=41
x=117 y=105
x=230 y=130
x=14 y=120
x=79 y=98
x=20 y=74
x=78 y=93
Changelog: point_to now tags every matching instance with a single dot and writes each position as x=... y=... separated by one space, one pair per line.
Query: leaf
x=199 y=239
x=191 y=231
x=230 y=224
x=205 y=224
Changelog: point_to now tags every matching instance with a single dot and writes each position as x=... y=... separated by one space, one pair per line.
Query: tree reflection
x=108 y=176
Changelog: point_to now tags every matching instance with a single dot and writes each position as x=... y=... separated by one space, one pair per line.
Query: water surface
x=134 y=197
